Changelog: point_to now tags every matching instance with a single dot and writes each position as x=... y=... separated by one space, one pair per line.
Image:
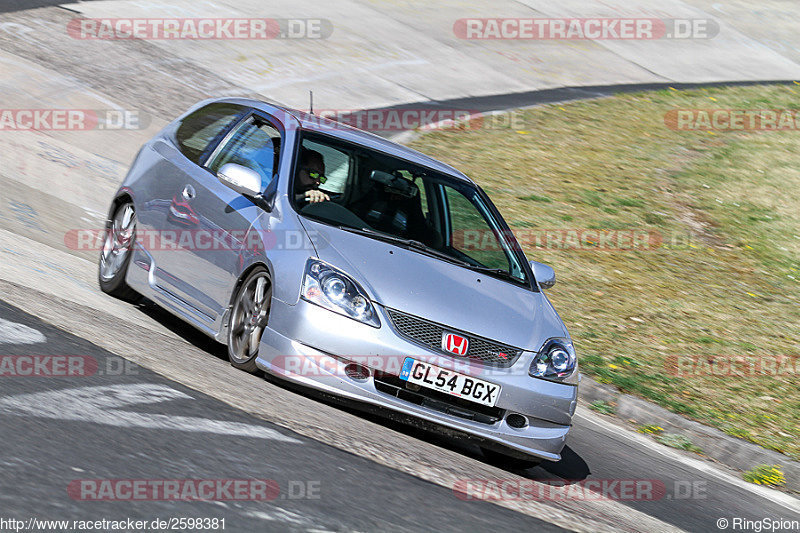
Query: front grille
x=451 y=405
x=429 y=334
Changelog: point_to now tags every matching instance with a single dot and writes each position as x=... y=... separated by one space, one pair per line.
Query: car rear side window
x=198 y=130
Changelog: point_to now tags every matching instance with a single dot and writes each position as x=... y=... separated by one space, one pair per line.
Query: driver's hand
x=315 y=195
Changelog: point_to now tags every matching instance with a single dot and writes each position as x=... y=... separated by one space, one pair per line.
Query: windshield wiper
x=373 y=233
x=492 y=270
x=424 y=248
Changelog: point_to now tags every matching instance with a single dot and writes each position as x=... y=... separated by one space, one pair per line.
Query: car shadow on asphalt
x=570 y=469
x=187 y=332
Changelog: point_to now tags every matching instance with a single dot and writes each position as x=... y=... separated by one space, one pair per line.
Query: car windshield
x=387 y=198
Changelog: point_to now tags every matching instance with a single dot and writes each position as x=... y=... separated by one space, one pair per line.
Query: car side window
x=198 y=130
x=337 y=166
x=423 y=196
x=254 y=144
x=471 y=234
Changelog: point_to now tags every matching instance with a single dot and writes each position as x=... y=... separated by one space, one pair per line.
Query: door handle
x=188 y=192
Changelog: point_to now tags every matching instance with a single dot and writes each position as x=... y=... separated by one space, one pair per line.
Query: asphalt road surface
x=116 y=420
x=112 y=420
x=7 y=6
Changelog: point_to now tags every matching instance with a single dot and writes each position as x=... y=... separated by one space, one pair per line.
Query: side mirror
x=544 y=274
x=243 y=180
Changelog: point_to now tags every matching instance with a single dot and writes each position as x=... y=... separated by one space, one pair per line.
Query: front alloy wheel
x=116 y=253
x=248 y=319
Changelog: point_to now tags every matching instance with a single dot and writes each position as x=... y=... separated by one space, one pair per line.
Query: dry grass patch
x=724 y=282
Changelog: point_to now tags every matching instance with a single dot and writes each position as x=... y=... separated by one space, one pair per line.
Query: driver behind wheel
x=310 y=176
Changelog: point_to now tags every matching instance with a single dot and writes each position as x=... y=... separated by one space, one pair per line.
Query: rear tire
x=249 y=316
x=115 y=256
x=506 y=461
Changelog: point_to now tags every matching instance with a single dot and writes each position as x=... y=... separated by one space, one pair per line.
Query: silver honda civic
x=346 y=263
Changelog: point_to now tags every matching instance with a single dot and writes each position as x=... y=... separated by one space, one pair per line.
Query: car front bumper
x=311 y=346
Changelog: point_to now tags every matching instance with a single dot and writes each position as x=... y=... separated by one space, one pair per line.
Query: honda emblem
x=454 y=343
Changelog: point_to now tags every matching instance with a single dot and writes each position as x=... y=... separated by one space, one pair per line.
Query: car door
x=167 y=214
x=211 y=259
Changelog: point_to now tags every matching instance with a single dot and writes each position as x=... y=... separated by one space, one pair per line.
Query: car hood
x=439 y=291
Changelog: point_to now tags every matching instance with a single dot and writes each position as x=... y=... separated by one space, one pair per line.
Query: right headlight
x=332 y=289
x=556 y=361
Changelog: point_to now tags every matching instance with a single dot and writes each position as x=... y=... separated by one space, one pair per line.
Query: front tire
x=115 y=257
x=249 y=316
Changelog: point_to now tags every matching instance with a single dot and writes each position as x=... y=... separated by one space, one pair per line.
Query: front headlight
x=556 y=361
x=332 y=289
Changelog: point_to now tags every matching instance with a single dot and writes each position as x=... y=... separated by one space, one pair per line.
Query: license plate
x=449 y=382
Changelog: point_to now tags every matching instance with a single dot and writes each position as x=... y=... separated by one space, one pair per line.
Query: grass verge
x=771 y=475
x=718 y=280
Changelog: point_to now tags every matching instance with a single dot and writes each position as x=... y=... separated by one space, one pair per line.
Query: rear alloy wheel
x=116 y=253
x=248 y=319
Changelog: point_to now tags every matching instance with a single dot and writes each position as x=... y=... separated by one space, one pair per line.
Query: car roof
x=315 y=123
